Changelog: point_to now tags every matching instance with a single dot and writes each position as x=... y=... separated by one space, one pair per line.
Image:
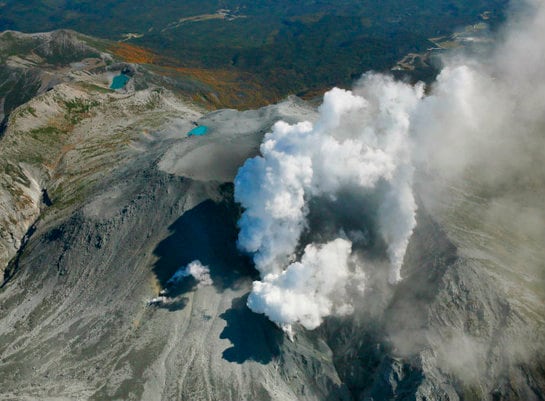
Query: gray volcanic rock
x=75 y=321
x=232 y=137
x=83 y=328
x=454 y=328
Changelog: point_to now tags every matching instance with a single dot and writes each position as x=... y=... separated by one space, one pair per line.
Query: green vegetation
x=16 y=172
x=13 y=46
x=78 y=109
x=31 y=110
x=154 y=100
x=288 y=47
x=65 y=196
x=94 y=88
x=46 y=134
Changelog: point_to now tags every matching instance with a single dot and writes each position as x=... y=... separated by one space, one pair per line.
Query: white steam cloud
x=360 y=143
x=194 y=269
x=479 y=118
x=307 y=290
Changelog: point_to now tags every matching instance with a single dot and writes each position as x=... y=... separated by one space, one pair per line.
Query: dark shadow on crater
x=173 y=305
x=206 y=233
x=374 y=351
x=351 y=212
x=254 y=337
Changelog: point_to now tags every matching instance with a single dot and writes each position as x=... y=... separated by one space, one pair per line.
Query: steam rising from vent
x=359 y=144
x=483 y=120
x=194 y=269
x=307 y=290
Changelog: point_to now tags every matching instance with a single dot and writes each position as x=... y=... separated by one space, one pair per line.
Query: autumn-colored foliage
x=133 y=54
x=216 y=87
x=227 y=88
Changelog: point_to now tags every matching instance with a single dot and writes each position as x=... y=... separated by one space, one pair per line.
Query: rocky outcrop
x=61 y=141
x=34 y=63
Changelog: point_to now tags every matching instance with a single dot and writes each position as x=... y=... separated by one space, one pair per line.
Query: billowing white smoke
x=484 y=115
x=194 y=269
x=307 y=290
x=480 y=120
x=361 y=143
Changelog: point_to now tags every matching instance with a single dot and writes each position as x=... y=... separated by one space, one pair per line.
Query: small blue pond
x=120 y=81
x=198 y=131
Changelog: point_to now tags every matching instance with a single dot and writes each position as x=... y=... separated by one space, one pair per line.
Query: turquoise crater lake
x=198 y=131
x=120 y=81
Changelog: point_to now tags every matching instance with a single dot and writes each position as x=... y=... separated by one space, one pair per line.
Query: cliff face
x=38 y=116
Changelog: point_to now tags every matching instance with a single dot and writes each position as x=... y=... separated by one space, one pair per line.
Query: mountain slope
x=116 y=229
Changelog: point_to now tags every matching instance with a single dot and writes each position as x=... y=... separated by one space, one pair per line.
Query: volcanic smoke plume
x=481 y=116
x=359 y=144
x=194 y=269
